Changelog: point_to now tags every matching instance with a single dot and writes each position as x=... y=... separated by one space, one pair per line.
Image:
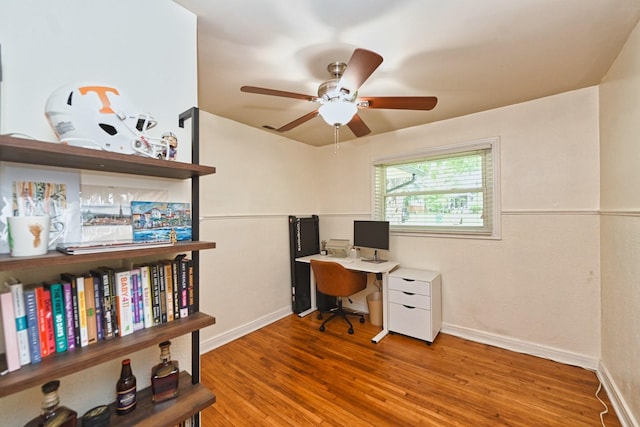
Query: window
x=451 y=190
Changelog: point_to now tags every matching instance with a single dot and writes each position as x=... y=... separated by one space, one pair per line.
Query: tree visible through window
x=449 y=192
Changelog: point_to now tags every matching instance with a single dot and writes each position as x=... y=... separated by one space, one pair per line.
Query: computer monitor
x=373 y=235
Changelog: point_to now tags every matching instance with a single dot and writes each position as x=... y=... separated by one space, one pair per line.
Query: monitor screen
x=371 y=234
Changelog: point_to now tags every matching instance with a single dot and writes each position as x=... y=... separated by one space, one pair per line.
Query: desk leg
x=385 y=314
x=312 y=286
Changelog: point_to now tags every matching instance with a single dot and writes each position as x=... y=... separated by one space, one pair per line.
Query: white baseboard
x=226 y=337
x=520 y=346
x=619 y=404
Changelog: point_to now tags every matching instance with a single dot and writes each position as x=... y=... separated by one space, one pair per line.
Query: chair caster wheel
x=362 y=320
x=319 y=316
x=321 y=328
x=350 y=331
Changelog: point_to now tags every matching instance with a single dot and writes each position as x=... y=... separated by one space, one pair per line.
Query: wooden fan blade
x=358 y=127
x=400 y=102
x=273 y=92
x=361 y=65
x=298 y=121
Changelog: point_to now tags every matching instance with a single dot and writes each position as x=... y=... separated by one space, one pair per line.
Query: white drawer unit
x=414 y=304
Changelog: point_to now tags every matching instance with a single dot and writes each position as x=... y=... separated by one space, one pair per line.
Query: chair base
x=340 y=312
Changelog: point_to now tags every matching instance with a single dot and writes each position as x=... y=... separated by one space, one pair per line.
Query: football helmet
x=99 y=116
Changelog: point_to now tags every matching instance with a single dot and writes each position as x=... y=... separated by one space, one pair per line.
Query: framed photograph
x=160 y=221
x=40 y=190
x=106 y=211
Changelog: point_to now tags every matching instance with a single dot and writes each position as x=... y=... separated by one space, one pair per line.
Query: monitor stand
x=375 y=258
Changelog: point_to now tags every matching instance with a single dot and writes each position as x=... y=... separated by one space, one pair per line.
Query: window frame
x=454 y=150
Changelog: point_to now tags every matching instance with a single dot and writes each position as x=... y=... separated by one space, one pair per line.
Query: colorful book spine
x=163 y=294
x=168 y=279
x=58 y=316
x=17 y=293
x=155 y=294
x=147 y=305
x=90 y=301
x=183 y=271
x=42 y=322
x=68 y=315
x=176 y=288
x=48 y=318
x=99 y=304
x=10 y=332
x=123 y=302
x=108 y=330
x=82 y=311
x=136 y=300
x=31 y=305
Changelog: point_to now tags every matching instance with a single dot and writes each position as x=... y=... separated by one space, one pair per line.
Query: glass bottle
x=126 y=390
x=164 y=376
x=52 y=413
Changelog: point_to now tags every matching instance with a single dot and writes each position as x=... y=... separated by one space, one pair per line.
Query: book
x=72 y=280
x=155 y=294
x=68 y=313
x=10 y=332
x=90 y=302
x=147 y=305
x=110 y=246
x=82 y=311
x=31 y=305
x=136 y=300
x=168 y=282
x=17 y=293
x=108 y=307
x=58 y=316
x=162 y=285
x=183 y=287
x=176 y=287
x=123 y=301
x=42 y=321
x=48 y=320
x=99 y=304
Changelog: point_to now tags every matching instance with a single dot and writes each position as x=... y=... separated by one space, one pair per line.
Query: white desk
x=356 y=264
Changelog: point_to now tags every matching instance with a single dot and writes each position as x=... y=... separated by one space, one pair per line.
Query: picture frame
x=161 y=221
x=28 y=190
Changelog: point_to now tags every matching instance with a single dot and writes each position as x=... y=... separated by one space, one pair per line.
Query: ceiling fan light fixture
x=338 y=113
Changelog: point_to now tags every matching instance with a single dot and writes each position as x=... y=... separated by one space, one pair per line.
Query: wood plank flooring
x=291 y=374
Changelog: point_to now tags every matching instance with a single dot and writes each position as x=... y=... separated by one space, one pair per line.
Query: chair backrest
x=335 y=280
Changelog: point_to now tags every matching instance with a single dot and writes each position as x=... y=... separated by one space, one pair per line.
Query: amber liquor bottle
x=126 y=397
x=52 y=413
x=164 y=376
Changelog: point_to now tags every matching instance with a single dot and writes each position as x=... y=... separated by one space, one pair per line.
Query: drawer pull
x=408 y=293
x=409 y=280
x=408 y=306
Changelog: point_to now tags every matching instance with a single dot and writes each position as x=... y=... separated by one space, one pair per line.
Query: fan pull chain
x=336 y=134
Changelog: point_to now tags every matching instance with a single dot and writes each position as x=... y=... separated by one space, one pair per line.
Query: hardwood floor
x=291 y=374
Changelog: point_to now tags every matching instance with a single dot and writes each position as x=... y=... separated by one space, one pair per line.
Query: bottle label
x=126 y=399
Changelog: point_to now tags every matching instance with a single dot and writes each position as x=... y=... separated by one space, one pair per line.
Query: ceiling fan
x=338 y=97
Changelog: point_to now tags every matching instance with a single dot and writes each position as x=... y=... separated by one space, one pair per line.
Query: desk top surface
x=354 y=263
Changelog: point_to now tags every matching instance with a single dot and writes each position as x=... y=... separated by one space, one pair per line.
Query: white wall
x=146 y=48
x=536 y=289
x=620 y=227
x=260 y=180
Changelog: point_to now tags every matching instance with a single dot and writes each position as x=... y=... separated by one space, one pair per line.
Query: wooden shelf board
x=8 y=263
x=22 y=150
x=61 y=364
x=192 y=398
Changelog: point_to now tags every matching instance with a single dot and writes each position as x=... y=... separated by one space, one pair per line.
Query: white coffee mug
x=31 y=235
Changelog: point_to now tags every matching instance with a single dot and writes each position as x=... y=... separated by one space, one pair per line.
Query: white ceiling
x=474 y=55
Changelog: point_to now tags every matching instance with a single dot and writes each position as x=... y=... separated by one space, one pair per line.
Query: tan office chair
x=335 y=280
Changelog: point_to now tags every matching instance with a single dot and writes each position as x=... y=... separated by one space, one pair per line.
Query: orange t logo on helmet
x=101 y=91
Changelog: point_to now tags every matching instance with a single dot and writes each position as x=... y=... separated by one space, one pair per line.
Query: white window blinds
x=446 y=191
